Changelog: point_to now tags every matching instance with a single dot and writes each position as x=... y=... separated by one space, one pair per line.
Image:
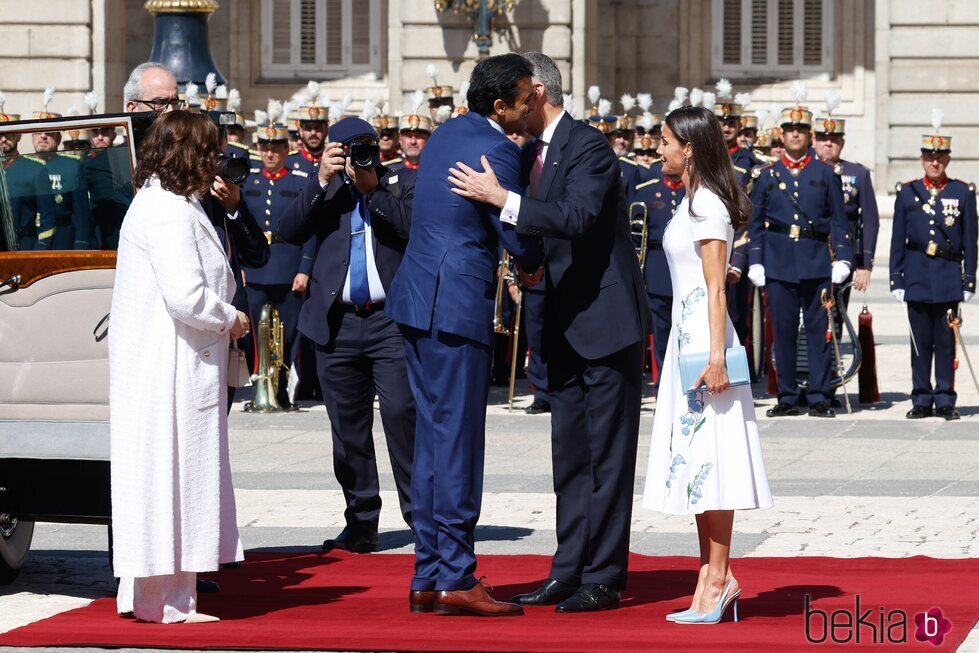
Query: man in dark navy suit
x=359 y=217
x=595 y=326
x=933 y=268
x=443 y=297
x=798 y=213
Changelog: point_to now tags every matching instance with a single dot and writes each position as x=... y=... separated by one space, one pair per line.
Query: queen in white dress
x=705 y=457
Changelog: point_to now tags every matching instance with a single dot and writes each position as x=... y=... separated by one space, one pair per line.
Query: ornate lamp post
x=480 y=13
x=180 y=39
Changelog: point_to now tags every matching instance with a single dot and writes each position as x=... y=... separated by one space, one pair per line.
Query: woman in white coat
x=173 y=506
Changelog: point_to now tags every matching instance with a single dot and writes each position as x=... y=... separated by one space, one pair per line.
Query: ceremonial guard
x=387 y=138
x=236 y=131
x=268 y=193
x=313 y=122
x=730 y=115
x=660 y=196
x=64 y=192
x=749 y=129
x=441 y=106
x=414 y=132
x=858 y=193
x=23 y=177
x=933 y=268
x=110 y=189
x=798 y=215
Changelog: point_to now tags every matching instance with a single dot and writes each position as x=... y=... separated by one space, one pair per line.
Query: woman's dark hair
x=181 y=148
x=495 y=78
x=710 y=165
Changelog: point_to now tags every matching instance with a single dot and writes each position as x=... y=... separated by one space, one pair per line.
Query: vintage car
x=60 y=213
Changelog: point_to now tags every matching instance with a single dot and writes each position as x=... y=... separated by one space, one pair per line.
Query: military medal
x=59 y=198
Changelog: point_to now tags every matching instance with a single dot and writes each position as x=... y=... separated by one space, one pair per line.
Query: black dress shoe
x=205 y=586
x=550 y=592
x=782 y=410
x=538 y=407
x=353 y=541
x=591 y=598
x=919 y=412
x=821 y=409
x=835 y=403
x=948 y=413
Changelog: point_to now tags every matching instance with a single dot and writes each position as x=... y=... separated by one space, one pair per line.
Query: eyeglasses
x=161 y=104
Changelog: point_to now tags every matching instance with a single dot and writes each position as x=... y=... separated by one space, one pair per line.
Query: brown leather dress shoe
x=421 y=600
x=474 y=601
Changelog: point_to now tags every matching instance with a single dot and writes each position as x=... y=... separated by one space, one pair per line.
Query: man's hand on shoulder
x=479 y=186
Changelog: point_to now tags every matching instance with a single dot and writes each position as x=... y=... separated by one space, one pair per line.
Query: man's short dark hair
x=495 y=78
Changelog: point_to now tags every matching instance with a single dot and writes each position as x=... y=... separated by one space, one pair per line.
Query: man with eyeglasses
x=151 y=87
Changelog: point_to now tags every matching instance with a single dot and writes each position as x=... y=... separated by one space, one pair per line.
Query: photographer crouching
x=359 y=213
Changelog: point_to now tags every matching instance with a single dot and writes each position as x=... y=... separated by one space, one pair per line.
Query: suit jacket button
x=333 y=292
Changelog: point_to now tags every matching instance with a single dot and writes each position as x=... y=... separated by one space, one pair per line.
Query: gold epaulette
x=739 y=169
x=291 y=152
x=35 y=158
x=628 y=160
x=238 y=145
x=73 y=154
x=643 y=165
x=255 y=154
x=647 y=183
x=301 y=173
x=392 y=161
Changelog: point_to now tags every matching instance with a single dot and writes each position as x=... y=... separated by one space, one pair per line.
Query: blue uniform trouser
x=449 y=377
x=738 y=307
x=533 y=311
x=934 y=339
x=661 y=306
x=784 y=301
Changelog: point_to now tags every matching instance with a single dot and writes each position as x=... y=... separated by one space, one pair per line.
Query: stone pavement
x=871 y=483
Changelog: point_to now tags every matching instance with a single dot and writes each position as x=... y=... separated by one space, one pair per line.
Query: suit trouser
x=661 y=307
x=935 y=340
x=450 y=378
x=594 y=434
x=784 y=302
x=533 y=312
x=738 y=307
x=288 y=304
x=367 y=357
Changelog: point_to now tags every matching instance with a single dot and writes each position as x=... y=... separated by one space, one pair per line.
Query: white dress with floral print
x=705 y=452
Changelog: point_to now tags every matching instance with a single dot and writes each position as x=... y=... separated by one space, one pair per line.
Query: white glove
x=757 y=274
x=966 y=295
x=898 y=294
x=841 y=270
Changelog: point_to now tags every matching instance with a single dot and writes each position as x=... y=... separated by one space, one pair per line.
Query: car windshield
x=65 y=184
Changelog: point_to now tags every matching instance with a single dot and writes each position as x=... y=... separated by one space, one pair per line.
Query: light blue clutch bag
x=691 y=365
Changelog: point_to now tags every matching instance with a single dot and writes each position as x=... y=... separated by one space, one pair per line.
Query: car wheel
x=15 y=544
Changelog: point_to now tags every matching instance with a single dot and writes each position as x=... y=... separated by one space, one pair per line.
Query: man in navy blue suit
x=595 y=325
x=443 y=298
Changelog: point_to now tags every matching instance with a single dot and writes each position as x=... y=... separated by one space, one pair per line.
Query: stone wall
x=930 y=51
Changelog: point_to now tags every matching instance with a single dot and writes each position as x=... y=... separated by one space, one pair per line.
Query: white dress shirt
x=373 y=278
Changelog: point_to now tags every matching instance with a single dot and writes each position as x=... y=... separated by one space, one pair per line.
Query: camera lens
x=232 y=170
x=365 y=155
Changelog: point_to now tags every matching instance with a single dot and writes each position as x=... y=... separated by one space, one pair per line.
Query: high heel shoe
x=714 y=616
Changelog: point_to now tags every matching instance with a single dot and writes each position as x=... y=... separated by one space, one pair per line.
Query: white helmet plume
x=594 y=94
x=221 y=92
x=937 y=118
x=234 y=99
x=261 y=118
x=312 y=89
x=190 y=93
x=432 y=71
x=645 y=102
x=696 y=97
x=680 y=94
x=832 y=102
x=48 y=96
x=709 y=100
x=417 y=101
x=604 y=107
x=724 y=89
x=274 y=111
x=211 y=83
x=799 y=91
x=628 y=103
x=742 y=99
x=92 y=101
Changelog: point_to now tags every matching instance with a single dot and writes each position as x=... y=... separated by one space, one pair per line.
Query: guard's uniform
x=933 y=260
x=304 y=161
x=267 y=196
x=110 y=191
x=738 y=307
x=25 y=182
x=661 y=196
x=64 y=200
x=798 y=213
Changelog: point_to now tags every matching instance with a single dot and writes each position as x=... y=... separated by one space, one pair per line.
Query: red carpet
x=347 y=602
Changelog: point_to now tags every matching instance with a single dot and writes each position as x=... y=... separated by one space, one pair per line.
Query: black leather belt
x=654 y=244
x=933 y=250
x=362 y=311
x=797 y=231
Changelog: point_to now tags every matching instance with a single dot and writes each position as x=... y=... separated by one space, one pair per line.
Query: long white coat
x=173 y=504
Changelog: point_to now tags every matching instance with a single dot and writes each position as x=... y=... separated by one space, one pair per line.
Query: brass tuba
x=640 y=230
x=270 y=341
